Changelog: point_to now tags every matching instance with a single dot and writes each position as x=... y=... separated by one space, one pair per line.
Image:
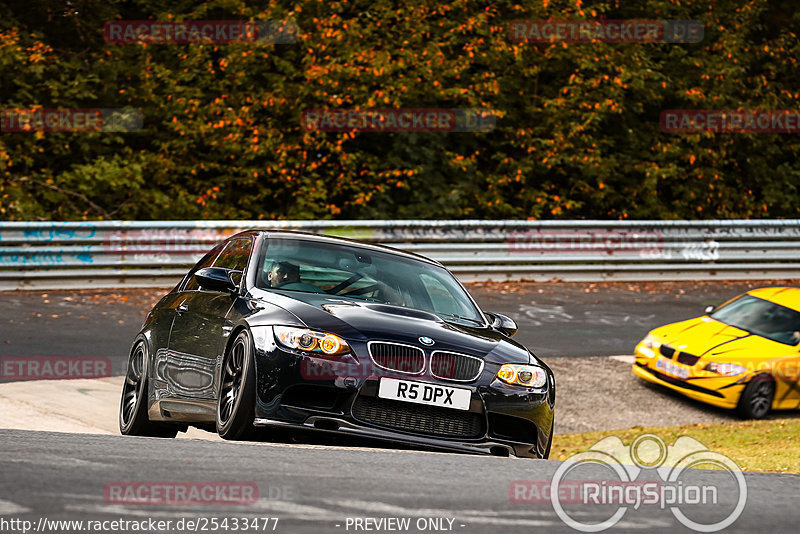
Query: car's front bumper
x=502 y=419
x=720 y=391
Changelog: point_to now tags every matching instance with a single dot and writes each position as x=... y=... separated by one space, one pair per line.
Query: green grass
x=769 y=446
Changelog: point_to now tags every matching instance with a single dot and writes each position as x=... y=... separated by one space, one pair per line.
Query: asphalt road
x=330 y=485
x=312 y=489
x=555 y=319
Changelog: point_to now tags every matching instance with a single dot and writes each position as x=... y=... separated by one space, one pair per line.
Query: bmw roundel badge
x=426 y=340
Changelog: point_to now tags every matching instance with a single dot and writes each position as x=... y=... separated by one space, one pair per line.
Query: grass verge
x=771 y=445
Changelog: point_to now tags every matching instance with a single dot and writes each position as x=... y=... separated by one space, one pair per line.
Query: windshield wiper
x=455 y=316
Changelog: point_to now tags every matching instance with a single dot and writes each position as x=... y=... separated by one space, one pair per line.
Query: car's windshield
x=290 y=264
x=761 y=317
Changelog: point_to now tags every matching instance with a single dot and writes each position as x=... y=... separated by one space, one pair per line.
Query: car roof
x=306 y=236
x=785 y=296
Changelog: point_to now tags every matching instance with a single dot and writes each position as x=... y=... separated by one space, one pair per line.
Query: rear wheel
x=133 y=419
x=237 y=396
x=756 y=399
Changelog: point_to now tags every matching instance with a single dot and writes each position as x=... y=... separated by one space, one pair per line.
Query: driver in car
x=285 y=275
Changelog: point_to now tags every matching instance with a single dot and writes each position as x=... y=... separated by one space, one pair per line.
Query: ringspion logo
x=646 y=473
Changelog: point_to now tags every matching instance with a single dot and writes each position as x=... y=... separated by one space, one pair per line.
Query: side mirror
x=503 y=323
x=710 y=309
x=216 y=279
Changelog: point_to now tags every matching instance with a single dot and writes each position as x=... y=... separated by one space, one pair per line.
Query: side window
x=191 y=284
x=235 y=256
x=440 y=297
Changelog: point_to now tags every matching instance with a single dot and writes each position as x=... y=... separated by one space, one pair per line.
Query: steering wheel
x=361 y=290
x=346 y=283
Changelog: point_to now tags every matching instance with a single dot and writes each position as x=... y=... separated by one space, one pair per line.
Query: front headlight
x=727 y=369
x=651 y=342
x=530 y=376
x=310 y=340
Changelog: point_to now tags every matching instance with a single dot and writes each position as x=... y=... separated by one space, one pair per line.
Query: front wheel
x=237 y=395
x=133 y=419
x=756 y=399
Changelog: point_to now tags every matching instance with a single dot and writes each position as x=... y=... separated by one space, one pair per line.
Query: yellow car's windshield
x=761 y=317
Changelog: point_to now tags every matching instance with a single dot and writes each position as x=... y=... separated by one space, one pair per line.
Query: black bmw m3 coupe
x=283 y=329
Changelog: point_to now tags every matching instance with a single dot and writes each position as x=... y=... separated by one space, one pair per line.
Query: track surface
x=314 y=489
x=317 y=485
x=555 y=320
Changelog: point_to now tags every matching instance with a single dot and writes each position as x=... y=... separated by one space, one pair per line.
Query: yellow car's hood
x=706 y=338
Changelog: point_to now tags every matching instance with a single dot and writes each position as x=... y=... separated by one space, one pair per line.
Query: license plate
x=672 y=369
x=424 y=393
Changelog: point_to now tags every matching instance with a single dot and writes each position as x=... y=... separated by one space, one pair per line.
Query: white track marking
x=12 y=508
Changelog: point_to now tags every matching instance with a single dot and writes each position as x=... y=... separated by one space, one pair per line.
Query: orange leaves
x=38 y=51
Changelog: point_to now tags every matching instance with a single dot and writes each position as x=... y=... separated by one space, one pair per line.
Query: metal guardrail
x=52 y=255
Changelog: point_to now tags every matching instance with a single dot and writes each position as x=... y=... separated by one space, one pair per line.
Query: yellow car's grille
x=687 y=359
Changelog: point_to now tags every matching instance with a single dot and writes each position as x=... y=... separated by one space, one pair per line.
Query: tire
x=133 y=418
x=237 y=392
x=756 y=399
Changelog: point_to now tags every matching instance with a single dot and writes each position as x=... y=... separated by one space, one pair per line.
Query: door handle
x=182 y=308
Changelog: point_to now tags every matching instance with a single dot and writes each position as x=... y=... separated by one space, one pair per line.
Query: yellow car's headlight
x=530 y=376
x=651 y=342
x=727 y=369
x=310 y=340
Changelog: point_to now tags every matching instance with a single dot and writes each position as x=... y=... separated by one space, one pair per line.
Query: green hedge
x=577 y=136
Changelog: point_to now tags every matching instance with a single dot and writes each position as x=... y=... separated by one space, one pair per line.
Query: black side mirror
x=216 y=279
x=710 y=309
x=503 y=323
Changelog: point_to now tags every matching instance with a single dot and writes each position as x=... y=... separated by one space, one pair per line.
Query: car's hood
x=712 y=340
x=365 y=321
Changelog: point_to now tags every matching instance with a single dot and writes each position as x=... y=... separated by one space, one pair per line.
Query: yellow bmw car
x=743 y=355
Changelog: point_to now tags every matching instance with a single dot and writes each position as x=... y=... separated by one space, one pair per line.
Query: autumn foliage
x=577 y=135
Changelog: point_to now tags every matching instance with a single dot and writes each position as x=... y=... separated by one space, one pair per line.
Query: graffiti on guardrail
x=787 y=230
x=44 y=260
x=59 y=234
x=691 y=251
x=706 y=251
x=438 y=233
x=625 y=247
